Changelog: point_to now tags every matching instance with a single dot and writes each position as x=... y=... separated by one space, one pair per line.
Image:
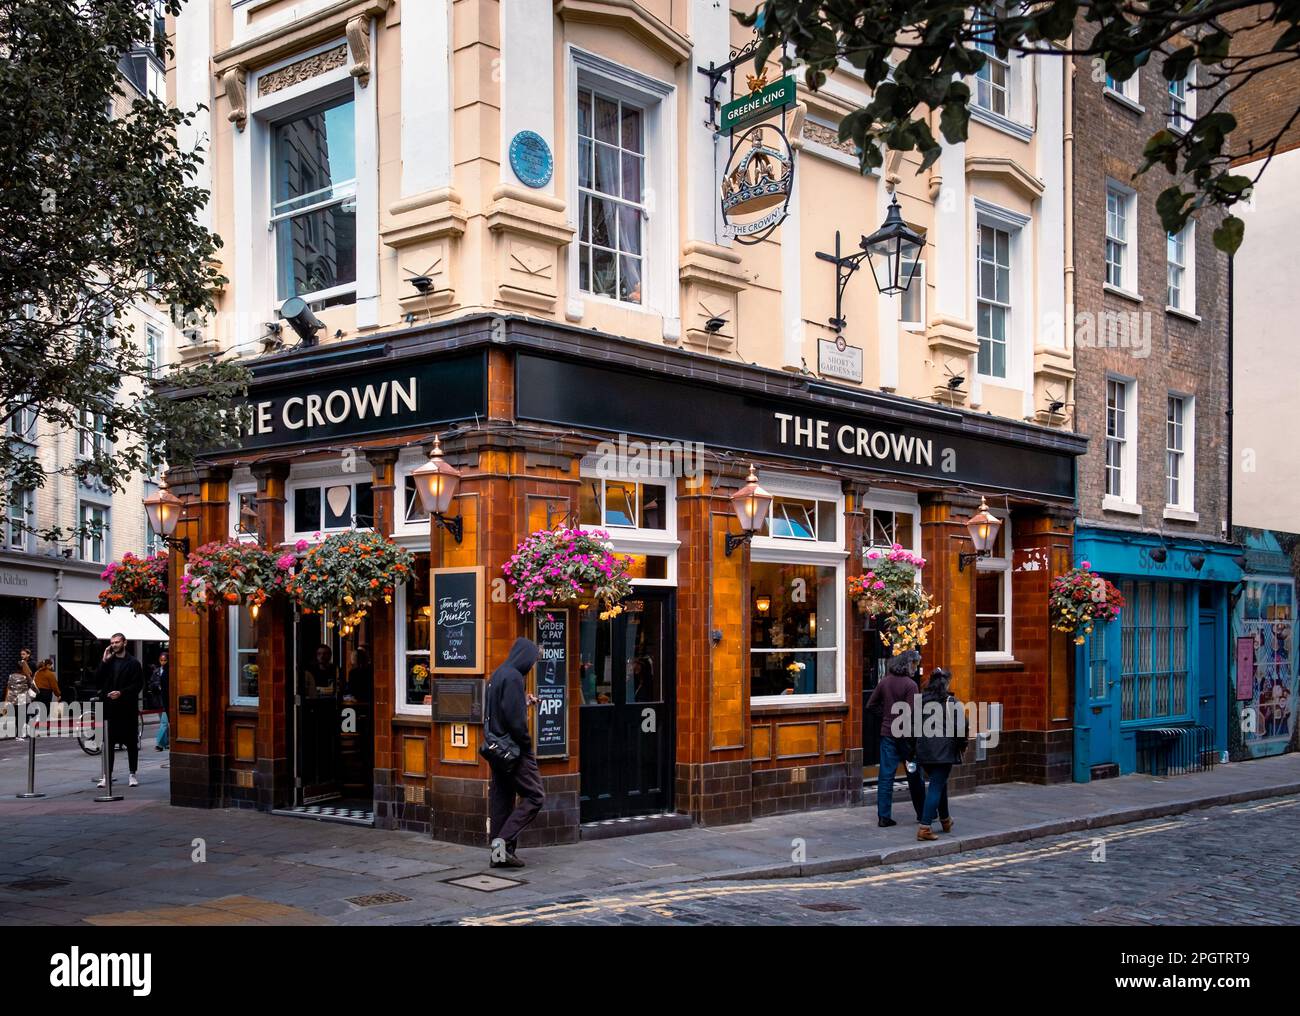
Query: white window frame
x=21 y=425
x=408 y=461
x=232 y=516
x=400 y=706
x=916 y=289
x=84 y=540
x=1184 y=508
x=1015 y=120
x=153 y=348
x=637 y=539
x=23 y=499
x=1124 y=235
x=1127 y=91
x=291 y=531
x=232 y=626
x=1019 y=286
x=1126 y=499
x=1180 y=110
x=658 y=102
x=255 y=279
x=1186 y=238
x=1003 y=565
x=783 y=550
x=91 y=437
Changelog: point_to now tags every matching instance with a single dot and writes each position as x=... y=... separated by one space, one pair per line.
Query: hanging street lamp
x=750 y=504
x=983 y=527
x=436 y=483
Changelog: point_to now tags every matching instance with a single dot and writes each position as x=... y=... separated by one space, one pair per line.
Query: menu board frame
x=436 y=575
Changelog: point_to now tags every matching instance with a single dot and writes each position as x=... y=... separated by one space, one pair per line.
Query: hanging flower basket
x=888 y=590
x=1080 y=599
x=227 y=573
x=136 y=582
x=346 y=574
x=555 y=567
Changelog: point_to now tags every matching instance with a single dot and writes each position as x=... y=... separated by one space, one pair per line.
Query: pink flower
x=300 y=546
x=1085 y=564
x=285 y=561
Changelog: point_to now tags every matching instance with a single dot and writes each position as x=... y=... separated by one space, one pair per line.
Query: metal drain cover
x=829 y=908
x=484 y=883
x=377 y=899
x=33 y=885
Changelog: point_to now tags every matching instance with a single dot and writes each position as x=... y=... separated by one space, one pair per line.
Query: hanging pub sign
x=551 y=733
x=456 y=595
x=757 y=184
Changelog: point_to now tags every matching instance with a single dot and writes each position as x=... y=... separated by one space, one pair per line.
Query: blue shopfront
x=1264 y=629
x=1162 y=672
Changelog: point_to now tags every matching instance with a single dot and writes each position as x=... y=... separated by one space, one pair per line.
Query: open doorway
x=333 y=719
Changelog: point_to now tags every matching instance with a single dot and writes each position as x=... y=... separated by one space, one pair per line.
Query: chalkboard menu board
x=552 y=728
x=456 y=595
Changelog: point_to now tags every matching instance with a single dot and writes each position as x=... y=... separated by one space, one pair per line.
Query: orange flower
x=374 y=583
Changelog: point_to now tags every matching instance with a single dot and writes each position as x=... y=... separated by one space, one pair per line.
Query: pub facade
x=511 y=226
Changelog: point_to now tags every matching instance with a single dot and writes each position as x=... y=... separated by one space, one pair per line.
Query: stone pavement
x=69 y=859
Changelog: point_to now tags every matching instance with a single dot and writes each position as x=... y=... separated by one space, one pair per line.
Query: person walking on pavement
x=24 y=663
x=507 y=713
x=46 y=684
x=897 y=686
x=937 y=754
x=121 y=679
x=159 y=680
x=18 y=693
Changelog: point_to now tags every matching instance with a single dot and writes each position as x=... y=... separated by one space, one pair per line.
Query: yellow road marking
x=659 y=898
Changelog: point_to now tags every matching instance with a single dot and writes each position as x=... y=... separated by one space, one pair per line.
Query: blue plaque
x=530 y=158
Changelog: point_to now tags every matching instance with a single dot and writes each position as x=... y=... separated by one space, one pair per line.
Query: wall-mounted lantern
x=436 y=482
x=164 y=510
x=750 y=504
x=893 y=251
x=983 y=527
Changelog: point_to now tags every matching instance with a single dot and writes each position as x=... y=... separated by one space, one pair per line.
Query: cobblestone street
x=1201 y=868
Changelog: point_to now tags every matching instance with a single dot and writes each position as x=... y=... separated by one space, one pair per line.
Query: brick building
x=1151 y=384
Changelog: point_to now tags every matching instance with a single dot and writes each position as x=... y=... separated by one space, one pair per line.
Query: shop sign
x=756 y=187
x=757 y=106
x=552 y=728
x=601 y=397
x=456 y=595
x=836 y=358
x=364 y=402
x=530 y=158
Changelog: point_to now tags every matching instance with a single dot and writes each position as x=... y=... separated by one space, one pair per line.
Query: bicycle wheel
x=87 y=734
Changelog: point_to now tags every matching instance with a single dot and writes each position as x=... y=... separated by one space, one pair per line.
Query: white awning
x=104 y=624
x=161 y=621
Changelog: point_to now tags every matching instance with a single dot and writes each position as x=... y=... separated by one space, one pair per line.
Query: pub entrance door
x=333 y=736
x=626 y=718
x=875 y=654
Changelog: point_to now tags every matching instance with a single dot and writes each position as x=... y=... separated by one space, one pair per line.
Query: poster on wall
x=1245 y=668
x=552 y=676
x=456 y=595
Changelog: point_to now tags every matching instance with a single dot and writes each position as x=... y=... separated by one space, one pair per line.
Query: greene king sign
x=757 y=106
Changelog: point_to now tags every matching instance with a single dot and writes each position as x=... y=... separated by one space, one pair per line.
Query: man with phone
x=120 y=679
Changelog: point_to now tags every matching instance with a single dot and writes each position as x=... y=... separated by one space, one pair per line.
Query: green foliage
x=98 y=214
x=912 y=55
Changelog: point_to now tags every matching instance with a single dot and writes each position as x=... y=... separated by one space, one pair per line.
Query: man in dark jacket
x=507 y=713
x=896 y=686
x=120 y=679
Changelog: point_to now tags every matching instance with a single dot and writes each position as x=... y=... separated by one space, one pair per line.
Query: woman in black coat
x=937 y=753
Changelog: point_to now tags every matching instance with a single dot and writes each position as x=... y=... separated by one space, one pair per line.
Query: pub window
x=795 y=611
x=412 y=507
x=993 y=600
x=993 y=299
x=243 y=657
x=314 y=204
x=911 y=304
x=623 y=504
x=331 y=506
x=793 y=518
x=413 y=612
x=1154 y=636
x=889 y=526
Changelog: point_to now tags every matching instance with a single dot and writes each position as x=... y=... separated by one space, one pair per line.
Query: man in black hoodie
x=507 y=713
